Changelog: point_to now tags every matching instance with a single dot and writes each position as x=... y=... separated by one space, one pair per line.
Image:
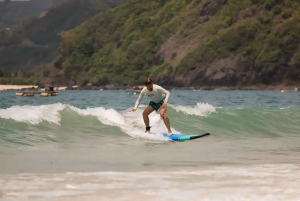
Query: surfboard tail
x=198 y=136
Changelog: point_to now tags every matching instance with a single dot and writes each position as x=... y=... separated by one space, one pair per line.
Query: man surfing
x=158 y=101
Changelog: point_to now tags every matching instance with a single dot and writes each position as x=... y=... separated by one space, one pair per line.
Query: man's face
x=149 y=86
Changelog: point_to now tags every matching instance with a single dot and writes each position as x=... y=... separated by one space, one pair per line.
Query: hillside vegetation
x=13 y=12
x=183 y=43
x=34 y=41
x=186 y=43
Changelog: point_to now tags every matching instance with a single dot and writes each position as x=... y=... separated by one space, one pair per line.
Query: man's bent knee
x=145 y=114
x=163 y=114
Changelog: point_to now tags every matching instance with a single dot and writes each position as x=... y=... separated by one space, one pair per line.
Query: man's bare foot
x=170 y=133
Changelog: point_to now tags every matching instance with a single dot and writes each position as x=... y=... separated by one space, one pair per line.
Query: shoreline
x=282 y=88
x=25 y=87
x=16 y=87
x=293 y=88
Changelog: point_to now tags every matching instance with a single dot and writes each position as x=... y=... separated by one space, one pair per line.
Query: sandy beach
x=19 y=87
x=16 y=87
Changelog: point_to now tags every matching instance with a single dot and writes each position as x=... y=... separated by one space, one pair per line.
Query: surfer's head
x=149 y=84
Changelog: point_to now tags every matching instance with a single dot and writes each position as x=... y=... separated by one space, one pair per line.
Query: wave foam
x=201 y=109
x=130 y=123
x=106 y=116
x=34 y=114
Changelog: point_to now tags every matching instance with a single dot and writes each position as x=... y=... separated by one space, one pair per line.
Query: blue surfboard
x=184 y=137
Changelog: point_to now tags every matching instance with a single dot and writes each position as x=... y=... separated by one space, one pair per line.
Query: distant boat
x=133 y=91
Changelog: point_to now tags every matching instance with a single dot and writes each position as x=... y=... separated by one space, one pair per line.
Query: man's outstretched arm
x=137 y=103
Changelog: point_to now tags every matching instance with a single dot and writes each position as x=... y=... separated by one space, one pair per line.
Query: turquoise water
x=92 y=131
x=120 y=100
x=36 y=121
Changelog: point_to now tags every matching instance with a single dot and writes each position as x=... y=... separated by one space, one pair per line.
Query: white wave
x=201 y=109
x=135 y=118
x=34 y=114
x=284 y=108
x=129 y=122
x=135 y=126
x=105 y=116
x=50 y=113
x=256 y=182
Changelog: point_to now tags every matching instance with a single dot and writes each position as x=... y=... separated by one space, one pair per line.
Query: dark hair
x=148 y=81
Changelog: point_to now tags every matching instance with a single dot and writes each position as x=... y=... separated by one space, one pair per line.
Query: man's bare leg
x=163 y=114
x=148 y=110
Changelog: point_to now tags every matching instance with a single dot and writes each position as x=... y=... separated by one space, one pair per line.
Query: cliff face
x=185 y=43
x=257 y=45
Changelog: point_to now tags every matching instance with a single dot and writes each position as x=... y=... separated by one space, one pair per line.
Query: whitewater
x=86 y=145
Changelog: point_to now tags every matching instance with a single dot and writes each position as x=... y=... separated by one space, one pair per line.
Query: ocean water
x=86 y=145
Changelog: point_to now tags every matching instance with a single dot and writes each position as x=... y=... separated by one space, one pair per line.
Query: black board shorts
x=156 y=106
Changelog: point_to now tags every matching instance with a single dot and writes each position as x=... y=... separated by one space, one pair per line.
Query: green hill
x=35 y=41
x=183 y=43
x=186 y=43
x=13 y=12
